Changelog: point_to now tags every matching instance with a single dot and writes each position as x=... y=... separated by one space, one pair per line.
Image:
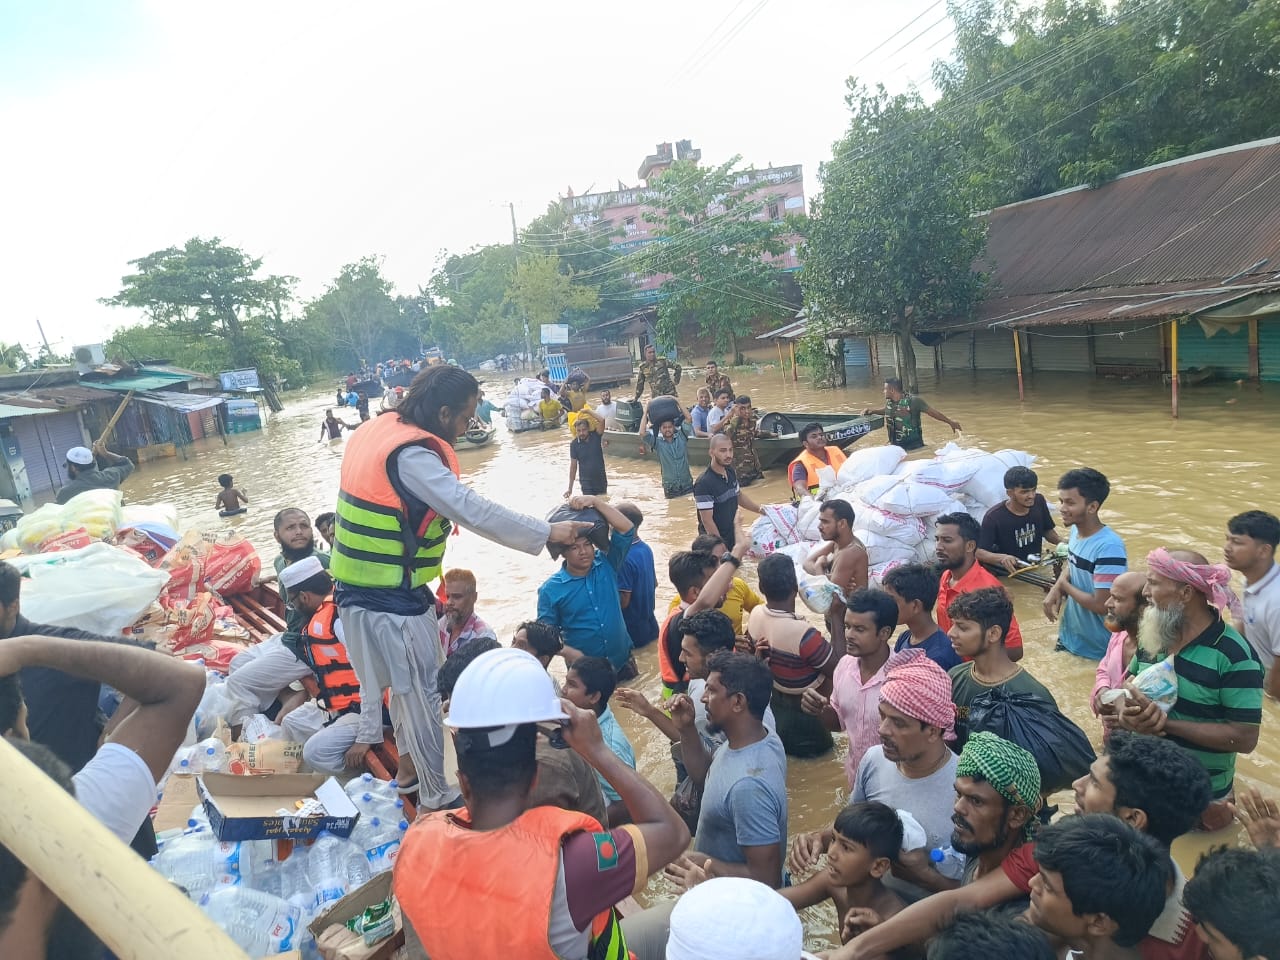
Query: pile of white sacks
x=894 y=501
x=522 y=402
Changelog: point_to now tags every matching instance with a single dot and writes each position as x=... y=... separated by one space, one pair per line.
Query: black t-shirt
x=1021 y=537
x=719 y=495
x=590 y=457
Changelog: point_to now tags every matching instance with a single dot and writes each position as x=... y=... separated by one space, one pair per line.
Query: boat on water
x=478 y=433
x=842 y=430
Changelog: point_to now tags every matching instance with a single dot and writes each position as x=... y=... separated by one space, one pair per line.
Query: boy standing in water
x=1014 y=531
x=229 y=498
x=865 y=842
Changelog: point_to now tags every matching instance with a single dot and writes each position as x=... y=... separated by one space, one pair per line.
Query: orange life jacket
x=488 y=893
x=339 y=687
x=812 y=463
x=384 y=536
x=674 y=674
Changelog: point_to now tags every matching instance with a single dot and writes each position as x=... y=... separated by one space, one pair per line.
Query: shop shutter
x=857 y=352
x=1268 y=348
x=44 y=440
x=993 y=350
x=884 y=352
x=1129 y=344
x=957 y=352
x=1058 y=348
x=1226 y=351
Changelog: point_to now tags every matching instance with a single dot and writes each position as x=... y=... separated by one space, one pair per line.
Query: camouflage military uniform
x=658 y=375
x=743 y=435
x=717 y=382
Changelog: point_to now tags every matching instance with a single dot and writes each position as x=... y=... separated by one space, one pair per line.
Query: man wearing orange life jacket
x=400 y=496
x=701 y=583
x=803 y=471
x=500 y=879
x=335 y=729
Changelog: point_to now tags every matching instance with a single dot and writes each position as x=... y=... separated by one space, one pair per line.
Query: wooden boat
x=842 y=429
x=1043 y=574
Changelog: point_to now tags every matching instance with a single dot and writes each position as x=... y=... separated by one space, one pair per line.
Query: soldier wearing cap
x=96 y=469
x=520 y=881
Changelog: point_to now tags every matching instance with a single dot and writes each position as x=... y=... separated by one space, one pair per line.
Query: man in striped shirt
x=1218 y=711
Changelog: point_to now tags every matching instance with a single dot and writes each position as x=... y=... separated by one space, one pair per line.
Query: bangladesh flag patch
x=606 y=851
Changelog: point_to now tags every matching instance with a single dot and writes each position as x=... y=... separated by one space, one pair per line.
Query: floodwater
x=1173 y=483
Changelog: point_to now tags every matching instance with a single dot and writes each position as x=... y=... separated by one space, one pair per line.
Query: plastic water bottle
x=330 y=868
x=368 y=783
x=947 y=862
x=259 y=923
x=379 y=806
x=380 y=840
x=198 y=862
x=209 y=756
x=183 y=761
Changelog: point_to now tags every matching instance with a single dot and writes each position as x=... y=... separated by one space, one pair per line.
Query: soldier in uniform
x=717 y=381
x=742 y=427
x=658 y=373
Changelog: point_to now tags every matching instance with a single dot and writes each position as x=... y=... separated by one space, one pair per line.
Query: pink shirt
x=857 y=704
x=1110 y=674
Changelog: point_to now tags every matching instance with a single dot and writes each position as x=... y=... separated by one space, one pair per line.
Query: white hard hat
x=505 y=689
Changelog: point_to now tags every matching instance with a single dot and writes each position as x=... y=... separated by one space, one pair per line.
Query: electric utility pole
x=515 y=251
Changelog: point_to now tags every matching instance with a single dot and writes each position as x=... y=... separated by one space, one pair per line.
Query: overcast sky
x=314 y=133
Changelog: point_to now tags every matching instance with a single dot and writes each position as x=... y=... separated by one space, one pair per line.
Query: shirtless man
x=843 y=559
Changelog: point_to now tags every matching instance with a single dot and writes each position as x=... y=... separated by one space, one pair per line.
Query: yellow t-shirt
x=550 y=409
x=740 y=598
x=577 y=399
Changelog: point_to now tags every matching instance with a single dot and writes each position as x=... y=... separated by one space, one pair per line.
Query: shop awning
x=186 y=402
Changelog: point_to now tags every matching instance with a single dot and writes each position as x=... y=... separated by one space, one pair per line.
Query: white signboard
x=239 y=379
x=555 y=333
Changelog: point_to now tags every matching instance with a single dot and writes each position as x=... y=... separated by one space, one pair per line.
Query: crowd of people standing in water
x=946 y=844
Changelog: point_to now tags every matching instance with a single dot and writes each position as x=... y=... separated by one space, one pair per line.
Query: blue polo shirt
x=638 y=576
x=586 y=608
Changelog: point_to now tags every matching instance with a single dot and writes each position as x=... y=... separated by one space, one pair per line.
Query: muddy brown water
x=1173 y=482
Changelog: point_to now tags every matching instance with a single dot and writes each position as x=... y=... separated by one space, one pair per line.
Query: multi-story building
x=624 y=214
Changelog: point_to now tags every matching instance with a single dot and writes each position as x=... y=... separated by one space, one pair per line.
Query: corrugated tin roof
x=186 y=402
x=145 y=381
x=1189 y=224
x=8 y=411
x=1110 y=304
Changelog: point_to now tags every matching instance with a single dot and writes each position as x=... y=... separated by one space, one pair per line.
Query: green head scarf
x=1010 y=769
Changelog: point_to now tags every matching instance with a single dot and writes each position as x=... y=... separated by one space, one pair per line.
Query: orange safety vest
x=674 y=674
x=339 y=686
x=488 y=893
x=384 y=536
x=836 y=459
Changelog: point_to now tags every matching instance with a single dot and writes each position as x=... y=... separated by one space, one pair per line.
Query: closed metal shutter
x=44 y=440
x=1226 y=351
x=993 y=350
x=1058 y=348
x=1134 y=344
x=884 y=350
x=1269 y=348
x=857 y=352
x=957 y=352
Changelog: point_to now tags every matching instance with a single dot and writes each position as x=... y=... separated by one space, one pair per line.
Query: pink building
x=624 y=211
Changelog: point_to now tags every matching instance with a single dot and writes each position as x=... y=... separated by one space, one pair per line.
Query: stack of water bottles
x=265 y=903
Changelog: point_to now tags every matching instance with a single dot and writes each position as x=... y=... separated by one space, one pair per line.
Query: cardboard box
x=352 y=905
x=180 y=797
x=245 y=808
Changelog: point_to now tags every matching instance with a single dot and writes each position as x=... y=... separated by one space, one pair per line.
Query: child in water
x=864 y=846
x=229 y=498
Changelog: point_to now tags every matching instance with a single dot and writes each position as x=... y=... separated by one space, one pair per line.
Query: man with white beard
x=1218 y=711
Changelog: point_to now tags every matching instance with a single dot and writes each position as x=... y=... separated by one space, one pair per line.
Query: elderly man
x=1218 y=711
x=1125 y=607
x=460 y=625
x=96 y=469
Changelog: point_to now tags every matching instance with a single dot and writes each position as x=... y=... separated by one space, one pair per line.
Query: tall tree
x=716 y=239
x=543 y=292
x=472 y=318
x=892 y=241
x=585 y=252
x=208 y=289
x=361 y=315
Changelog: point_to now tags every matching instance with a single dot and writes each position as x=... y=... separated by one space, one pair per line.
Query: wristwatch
x=730 y=558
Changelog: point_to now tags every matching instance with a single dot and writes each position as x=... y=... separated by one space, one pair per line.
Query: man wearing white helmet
x=84 y=471
x=520 y=882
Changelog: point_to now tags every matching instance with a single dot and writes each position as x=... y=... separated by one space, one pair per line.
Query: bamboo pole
x=1017 y=359
x=1173 y=362
x=115 y=418
x=136 y=912
x=795 y=374
x=782 y=364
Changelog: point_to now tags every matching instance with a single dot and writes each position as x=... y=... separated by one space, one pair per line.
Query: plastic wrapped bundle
x=986 y=486
x=598 y=534
x=869 y=462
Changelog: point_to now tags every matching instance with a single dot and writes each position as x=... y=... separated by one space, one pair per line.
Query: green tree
x=359 y=315
x=892 y=242
x=587 y=253
x=206 y=289
x=472 y=319
x=716 y=239
x=13 y=357
x=542 y=291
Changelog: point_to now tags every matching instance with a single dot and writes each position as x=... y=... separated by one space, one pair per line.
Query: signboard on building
x=239 y=379
x=555 y=333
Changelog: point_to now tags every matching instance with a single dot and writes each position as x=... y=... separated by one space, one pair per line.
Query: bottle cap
x=937 y=855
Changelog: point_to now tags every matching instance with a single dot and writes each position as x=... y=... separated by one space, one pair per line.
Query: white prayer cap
x=80 y=456
x=733 y=918
x=300 y=572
